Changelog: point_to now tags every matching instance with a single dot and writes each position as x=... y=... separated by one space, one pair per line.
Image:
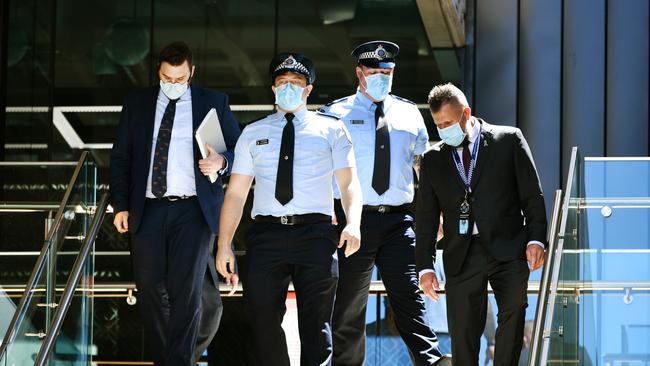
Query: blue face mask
x=173 y=90
x=289 y=96
x=378 y=85
x=453 y=135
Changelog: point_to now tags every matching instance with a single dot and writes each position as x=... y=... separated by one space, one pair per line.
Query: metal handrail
x=555 y=276
x=42 y=207
x=378 y=287
x=37 y=163
x=25 y=301
x=540 y=312
x=71 y=285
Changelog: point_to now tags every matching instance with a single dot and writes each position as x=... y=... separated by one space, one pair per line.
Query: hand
x=234 y=280
x=351 y=238
x=535 y=256
x=429 y=284
x=121 y=221
x=213 y=163
x=489 y=352
x=225 y=262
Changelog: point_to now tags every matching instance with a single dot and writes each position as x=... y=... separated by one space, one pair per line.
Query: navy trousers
x=306 y=255
x=211 y=309
x=387 y=240
x=170 y=252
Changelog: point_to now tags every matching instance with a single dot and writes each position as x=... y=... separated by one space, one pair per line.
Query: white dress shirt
x=180 y=158
x=408 y=138
x=322 y=146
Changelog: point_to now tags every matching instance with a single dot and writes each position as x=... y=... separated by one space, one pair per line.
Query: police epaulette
x=403 y=99
x=321 y=113
x=335 y=101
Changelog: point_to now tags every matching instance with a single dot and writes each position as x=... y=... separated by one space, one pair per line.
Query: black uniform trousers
x=387 y=240
x=306 y=255
x=170 y=252
x=467 y=305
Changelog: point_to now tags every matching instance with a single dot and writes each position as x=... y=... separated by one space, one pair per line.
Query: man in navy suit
x=162 y=196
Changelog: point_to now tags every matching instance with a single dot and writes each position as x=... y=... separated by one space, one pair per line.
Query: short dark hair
x=175 y=54
x=446 y=93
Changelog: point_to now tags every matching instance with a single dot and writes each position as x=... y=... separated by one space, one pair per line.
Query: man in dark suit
x=482 y=179
x=162 y=196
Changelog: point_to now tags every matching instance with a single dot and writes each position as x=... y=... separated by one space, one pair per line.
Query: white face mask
x=289 y=96
x=453 y=135
x=379 y=85
x=173 y=90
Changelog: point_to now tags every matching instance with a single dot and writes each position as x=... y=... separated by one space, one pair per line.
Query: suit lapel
x=198 y=107
x=198 y=112
x=150 y=120
x=447 y=152
x=483 y=152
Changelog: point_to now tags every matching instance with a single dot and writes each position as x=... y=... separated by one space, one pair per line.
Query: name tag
x=356 y=122
x=262 y=142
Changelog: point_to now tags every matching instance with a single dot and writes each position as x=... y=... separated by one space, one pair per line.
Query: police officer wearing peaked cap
x=293 y=155
x=388 y=133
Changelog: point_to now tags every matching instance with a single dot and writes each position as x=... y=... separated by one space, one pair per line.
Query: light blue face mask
x=173 y=90
x=289 y=96
x=453 y=135
x=378 y=85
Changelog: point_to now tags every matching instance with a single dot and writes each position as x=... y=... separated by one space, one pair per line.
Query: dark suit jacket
x=131 y=154
x=507 y=202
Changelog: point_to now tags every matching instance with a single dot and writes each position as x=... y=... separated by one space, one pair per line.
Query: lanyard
x=467 y=180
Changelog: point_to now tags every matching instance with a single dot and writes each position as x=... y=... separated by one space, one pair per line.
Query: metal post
x=542 y=299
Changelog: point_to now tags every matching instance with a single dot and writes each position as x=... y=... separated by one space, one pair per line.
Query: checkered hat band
x=373 y=54
x=295 y=66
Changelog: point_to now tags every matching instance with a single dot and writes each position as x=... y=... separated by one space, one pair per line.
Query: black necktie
x=284 y=181
x=381 y=171
x=159 y=174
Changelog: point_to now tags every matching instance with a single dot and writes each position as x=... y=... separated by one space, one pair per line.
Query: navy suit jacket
x=131 y=154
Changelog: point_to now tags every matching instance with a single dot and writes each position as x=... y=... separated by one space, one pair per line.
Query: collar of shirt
x=300 y=115
x=472 y=132
x=363 y=100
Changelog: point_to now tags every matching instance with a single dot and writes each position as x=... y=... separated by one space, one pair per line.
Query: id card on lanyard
x=465 y=208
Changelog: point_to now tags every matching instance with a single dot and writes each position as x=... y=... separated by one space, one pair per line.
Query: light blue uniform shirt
x=322 y=145
x=408 y=137
x=180 y=158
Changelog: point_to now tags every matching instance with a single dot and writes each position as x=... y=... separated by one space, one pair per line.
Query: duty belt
x=295 y=219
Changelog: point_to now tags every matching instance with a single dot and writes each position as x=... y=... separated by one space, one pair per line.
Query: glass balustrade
x=27 y=316
x=599 y=304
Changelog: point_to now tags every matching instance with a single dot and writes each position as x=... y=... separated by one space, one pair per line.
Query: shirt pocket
x=361 y=131
x=402 y=145
x=312 y=156
x=265 y=158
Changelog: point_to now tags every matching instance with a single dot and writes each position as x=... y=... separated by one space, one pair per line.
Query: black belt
x=295 y=219
x=172 y=198
x=382 y=209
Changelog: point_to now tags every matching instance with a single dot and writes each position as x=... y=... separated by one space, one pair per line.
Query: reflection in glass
x=601 y=310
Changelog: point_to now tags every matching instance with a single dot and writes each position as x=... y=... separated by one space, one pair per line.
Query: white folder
x=209 y=132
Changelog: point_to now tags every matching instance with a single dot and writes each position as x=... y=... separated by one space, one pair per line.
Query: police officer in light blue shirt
x=388 y=133
x=293 y=155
